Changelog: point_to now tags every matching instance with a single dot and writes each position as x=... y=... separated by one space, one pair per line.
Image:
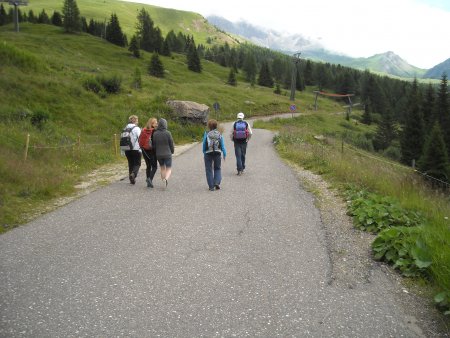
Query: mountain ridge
x=387 y=63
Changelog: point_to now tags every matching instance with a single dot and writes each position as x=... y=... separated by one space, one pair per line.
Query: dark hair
x=212 y=124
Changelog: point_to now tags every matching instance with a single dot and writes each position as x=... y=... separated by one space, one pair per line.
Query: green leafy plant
x=373 y=213
x=442 y=301
x=401 y=247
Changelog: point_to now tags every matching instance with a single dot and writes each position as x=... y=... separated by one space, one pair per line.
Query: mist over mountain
x=289 y=43
x=388 y=63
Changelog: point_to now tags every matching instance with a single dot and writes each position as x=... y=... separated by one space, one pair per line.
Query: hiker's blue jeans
x=212 y=168
x=240 y=150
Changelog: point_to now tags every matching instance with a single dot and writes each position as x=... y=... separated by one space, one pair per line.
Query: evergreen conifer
x=434 y=161
x=443 y=110
x=232 y=78
x=114 y=32
x=413 y=134
x=134 y=47
x=57 y=19
x=386 y=132
x=71 y=17
x=156 y=67
x=193 y=60
x=265 y=77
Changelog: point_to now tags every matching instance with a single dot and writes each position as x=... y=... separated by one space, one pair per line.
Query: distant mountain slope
x=388 y=63
x=265 y=37
x=166 y=19
x=437 y=71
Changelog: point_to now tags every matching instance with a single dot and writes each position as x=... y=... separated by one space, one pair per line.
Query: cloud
x=414 y=30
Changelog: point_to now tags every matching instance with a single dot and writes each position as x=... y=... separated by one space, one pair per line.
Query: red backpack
x=145 y=139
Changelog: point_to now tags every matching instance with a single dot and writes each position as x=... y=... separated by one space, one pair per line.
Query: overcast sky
x=416 y=30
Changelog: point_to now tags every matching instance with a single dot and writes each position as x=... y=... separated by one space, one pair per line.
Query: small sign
x=216 y=106
x=292 y=107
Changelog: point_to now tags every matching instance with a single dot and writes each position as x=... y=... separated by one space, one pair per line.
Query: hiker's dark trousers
x=134 y=161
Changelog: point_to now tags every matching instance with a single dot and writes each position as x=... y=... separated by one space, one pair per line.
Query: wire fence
x=435 y=182
x=76 y=146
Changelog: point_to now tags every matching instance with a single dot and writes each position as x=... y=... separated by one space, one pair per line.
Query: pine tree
x=413 y=135
x=434 y=161
x=193 y=60
x=309 y=73
x=277 y=89
x=232 y=78
x=57 y=19
x=249 y=67
x=3 y=16
x=134 y=47
x=385 y=132
x=114 y=32
x=156 y=67
x=149 y=37
x=367 y=115
x=166 y=48
x=265 y=77
x=43 y=18
x=84 y=25
x=71 y=16
x=443 y=110
x=137 y=79
x=31 y=17
x=428 y=107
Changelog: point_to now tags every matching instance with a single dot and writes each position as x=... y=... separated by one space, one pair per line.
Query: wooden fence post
x=115 y=144
x=27 y=144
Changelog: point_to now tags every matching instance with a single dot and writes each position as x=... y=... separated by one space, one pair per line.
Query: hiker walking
x=240 y=135
x=164 y=148
x=213 y=150
x=145 y=142
x=134 y=154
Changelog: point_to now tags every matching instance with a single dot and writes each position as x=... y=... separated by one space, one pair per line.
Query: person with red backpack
x=241 y=133
x=145 y=142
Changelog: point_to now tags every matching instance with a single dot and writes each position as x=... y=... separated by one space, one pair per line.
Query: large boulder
x=188 y=110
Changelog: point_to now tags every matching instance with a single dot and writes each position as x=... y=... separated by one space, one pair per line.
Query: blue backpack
x=240 y=130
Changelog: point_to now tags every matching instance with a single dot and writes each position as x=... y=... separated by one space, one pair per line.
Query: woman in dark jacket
x=164 y=148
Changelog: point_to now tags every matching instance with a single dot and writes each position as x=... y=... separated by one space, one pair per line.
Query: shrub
x=401 y=247
x=393 y=152
x=373 y=213
x=92 y=84
x=111 y=83
x=38 y=118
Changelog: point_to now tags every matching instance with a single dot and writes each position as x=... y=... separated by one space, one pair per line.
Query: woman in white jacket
x=134 y=155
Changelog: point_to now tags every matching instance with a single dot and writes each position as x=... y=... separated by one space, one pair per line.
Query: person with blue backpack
x=213 y=150
x=241 y=134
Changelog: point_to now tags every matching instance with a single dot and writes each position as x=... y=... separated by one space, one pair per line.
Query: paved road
x=248 y=260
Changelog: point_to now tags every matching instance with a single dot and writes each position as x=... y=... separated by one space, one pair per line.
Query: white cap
x=240 y=115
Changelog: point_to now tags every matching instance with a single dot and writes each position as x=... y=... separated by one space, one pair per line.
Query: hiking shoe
x=211 y=189
x=217 y=186
x=166 y=182
x=132 y=178
x=239 y=173
x=149 y=183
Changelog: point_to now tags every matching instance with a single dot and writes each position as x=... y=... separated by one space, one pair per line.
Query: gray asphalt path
x=248 y=260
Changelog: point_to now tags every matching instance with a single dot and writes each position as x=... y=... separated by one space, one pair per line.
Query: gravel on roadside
x=352 y=264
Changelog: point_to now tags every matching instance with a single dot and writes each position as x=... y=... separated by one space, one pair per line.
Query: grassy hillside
x=42 y=93
x=166 y=19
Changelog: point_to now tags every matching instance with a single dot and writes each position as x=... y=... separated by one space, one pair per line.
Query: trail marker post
x=216 y=107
